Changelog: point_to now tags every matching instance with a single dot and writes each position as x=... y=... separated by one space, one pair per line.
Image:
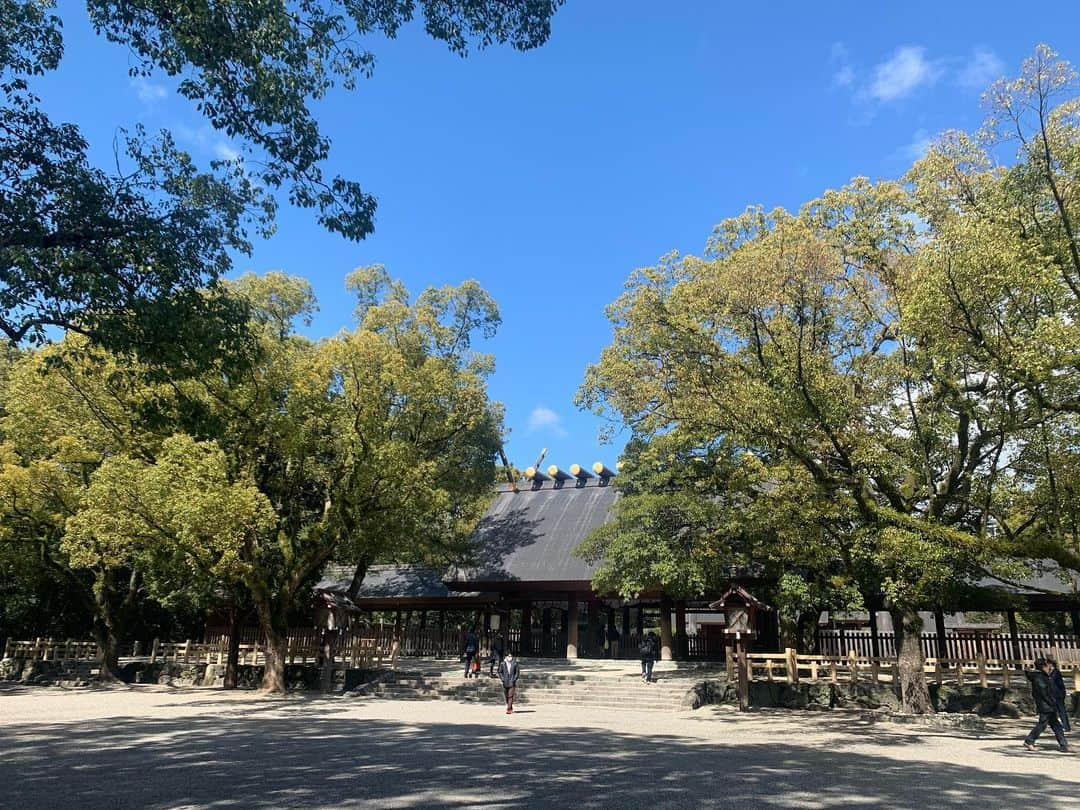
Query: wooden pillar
x=592 y=623
x=397 y=624
x=571 y=626
x=423 y=619
x=875 y=642
x=665 y=629
x=626 y=622
x=545 y=630
x=939 y=626
x=1075 y=621
x=682 y=641
x=640 y=620
x=525 y=647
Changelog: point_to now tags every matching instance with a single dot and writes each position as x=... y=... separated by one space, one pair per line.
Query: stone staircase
x=605 y=685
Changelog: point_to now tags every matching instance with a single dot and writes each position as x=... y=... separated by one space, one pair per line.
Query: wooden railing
x=792 y=667
x=958 y=644
x=48 y=649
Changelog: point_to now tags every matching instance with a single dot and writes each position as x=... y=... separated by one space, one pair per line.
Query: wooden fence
x=958 y=644
x=792 y=667
x=49 y=649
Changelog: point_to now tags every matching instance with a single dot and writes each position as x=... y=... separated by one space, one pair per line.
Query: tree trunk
x=807 y=631
x=329 y=648
x=789 y=632
x=914 y=692
x=109 y=648
x=275 y=630
x=232 y=655
x=108 y=623
x=358 y=578
x=273 y=681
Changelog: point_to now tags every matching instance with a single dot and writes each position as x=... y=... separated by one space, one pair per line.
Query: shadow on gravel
x=316 y=757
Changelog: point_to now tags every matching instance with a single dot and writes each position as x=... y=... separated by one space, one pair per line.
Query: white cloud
x=206 y=139
x=147 y=91
x=844 y=75
x=224 y=151
x=920 y=144
x=902 y=73
x=543 y=418
x=983 y=68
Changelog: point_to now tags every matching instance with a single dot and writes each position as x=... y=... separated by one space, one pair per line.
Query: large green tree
x=130 y=256
x=897 y=358
x=788 y=341
x=375 y=444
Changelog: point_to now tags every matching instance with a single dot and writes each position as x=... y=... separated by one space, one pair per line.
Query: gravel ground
x=158 y=747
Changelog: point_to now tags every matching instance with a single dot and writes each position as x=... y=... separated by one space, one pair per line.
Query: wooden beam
x=682 y=641
x=571 y=626
x=875 y=642
x=526 y=630
x=665 y=629
x=939 y=626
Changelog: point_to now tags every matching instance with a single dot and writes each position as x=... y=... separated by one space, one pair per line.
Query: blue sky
x=549 y=176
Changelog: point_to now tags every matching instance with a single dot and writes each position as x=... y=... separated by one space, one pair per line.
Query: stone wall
x=993 y=701
x=66 y=673
x=298 y=677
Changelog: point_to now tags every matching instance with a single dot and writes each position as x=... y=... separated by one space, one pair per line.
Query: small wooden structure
x=741 y=613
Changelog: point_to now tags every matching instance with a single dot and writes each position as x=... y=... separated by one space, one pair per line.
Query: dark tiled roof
x=531 y=535
x=387 y=581
x=1046 y=576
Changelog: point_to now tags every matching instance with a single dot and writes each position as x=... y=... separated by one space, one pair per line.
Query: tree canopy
x=131 y=256
x=375 y=444
x=896 y=358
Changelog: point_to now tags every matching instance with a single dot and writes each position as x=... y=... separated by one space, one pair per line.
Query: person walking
x=509 y=671
x=472 y=647
x=1042 y=690
x=498 y=648
x=613 y=639
x=1060 y=694
x=647 y=651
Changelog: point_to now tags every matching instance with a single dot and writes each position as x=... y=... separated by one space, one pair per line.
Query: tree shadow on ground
x=323 y=758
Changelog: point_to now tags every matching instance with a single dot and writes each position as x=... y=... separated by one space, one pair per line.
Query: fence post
x=187 y=650
x=67 y=650
x=731 y=666
x=982 y=669
x=154 y=651
x=959 y=672
x=792 y=665
x=1006 y=673
x=853 y=665
x=832 y=671
x=7 y=648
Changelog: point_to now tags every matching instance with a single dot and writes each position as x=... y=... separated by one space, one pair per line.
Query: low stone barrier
x=298 y=677
x=992 y=701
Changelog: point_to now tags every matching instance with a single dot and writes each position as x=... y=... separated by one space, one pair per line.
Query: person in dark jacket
x=613 y=639
x=508 y=674
x=1042 y=690
x=647 y=650
x=1060 y=694
x=498 y=648
x=472 y=647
